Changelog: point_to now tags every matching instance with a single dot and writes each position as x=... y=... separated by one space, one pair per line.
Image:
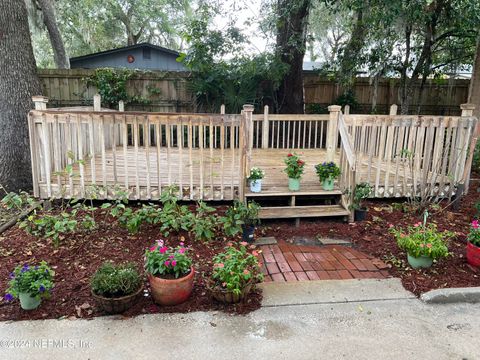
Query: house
x=143 y=56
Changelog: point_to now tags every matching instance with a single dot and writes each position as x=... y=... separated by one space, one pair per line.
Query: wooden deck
x=143 y=167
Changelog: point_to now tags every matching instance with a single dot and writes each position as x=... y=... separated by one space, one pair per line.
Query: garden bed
x=78 y=257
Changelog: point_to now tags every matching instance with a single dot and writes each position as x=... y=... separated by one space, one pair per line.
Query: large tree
x=18 y=82
x=291 y=28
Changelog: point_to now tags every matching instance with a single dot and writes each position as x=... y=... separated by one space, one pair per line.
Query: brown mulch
x=77 y=258
x=79 y=255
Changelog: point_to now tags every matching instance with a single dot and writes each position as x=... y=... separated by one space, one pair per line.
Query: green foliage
x=204 y=224
x=18 y=200
x=56 y=226
x=256 y=174
x=422 y=240
x=234 y=268
x=295 y=166
x=163 y=261
x=362 y=191
x=173 y=217
x=474 y=234
x=37 y=281
x=114 y=281
x=327 y=170
x=111 y=84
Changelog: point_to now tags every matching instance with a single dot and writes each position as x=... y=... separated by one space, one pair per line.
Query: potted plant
x=294 y=170
x=327 y=173
x=473 y=244
x=422 y=243
x=255 y=179
x=361 y=192
x=30 y=284
x=235 y=272
x=242 y=216
x=116 y=287
x=170 y=273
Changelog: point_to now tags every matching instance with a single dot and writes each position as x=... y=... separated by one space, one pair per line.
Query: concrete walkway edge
x=452 y=295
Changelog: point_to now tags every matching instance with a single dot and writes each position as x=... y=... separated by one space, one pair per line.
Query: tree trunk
x=18 y=82
x=290 y=48
x=474 y=91
x=351 y=52
x=59 y=53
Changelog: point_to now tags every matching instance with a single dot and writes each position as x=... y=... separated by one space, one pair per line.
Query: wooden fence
x=168 y=92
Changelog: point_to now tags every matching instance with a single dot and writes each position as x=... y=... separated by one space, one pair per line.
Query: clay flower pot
x=171 y=291
x=117 y=305
x=227 y=296
x=473 y=254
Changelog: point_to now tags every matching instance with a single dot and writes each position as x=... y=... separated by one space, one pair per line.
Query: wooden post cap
x=248 y=107
x=467 y=106
x=40 y=98
x=334 y=108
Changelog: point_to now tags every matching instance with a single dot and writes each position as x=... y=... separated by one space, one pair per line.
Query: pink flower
x=220 y=265
x=163 y=250
x=390 y=226
x=160 y=243
x=244 y=243
x=290 y=155
x=181 y=251
x=417 y=224
x=229 y=243
x=174 y=263
x=421 y=245
x=246 y=272
x=255 y=253
x=475 y=224
x=167 y=263
x=153 y=248
x=182 y=243
x=429 y=245
x=171 y=257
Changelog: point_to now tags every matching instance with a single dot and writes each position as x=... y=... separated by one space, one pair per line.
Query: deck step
x=283 y=191
x=284 y=212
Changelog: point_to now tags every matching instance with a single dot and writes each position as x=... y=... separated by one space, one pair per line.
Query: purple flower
x=41 y=289
x=25 y=268
x=8 y=297
x=12 y=275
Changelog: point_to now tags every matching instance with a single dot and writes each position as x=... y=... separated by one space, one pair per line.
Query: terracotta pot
x=171 y=291
x=116 y=305
x=473 y=254
x=227 y=296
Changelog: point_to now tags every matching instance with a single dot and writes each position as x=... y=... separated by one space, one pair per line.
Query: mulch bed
x=77 y=258
x=372 y=237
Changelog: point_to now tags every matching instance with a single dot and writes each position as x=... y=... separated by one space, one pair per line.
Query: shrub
x=362 y=191
x=256 y=174
x=327 y=170
x=234 y=268
x=240 y=214
x=474 y=234
x=114 y=281
x=422 y=240
x=295 y=166
x=37 y=281
x=203 y=224
x=166 y=262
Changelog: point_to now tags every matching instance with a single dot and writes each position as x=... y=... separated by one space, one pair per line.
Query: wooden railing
x=91 y=154
x=289 y=131
x=347 y=164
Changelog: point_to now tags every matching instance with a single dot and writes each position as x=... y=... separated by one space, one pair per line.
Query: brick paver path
x=287 y=262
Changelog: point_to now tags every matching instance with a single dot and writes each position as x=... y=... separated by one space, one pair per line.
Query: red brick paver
x=287 y=262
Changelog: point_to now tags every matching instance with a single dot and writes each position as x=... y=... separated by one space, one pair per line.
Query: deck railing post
x=222 y=109
x=393 y=109
x=97 y=102
x=246 y=145
x=265 y=128
x=40 y=102
x=346 y=109
x=121 y=106
x=332 y=131
x=467 y=110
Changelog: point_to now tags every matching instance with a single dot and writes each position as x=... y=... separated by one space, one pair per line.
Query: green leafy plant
x=327 y=170
x=166 y=262
x=174 y=217
x=37 y=281
x=236 y=267
x=114 y=281
x=204 y=224
x=17 y=200
x=474 y=234
x=422 y=240
x=362 y=191
x=240 y=214
x=256 y=174
x=295 y=166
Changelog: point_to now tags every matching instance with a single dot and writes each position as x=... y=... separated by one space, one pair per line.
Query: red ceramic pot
x=473 y=254
x=171 y=291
